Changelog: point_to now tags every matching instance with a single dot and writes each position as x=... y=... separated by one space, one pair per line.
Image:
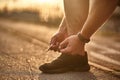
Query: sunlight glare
x=46 y=8
x=45 y=1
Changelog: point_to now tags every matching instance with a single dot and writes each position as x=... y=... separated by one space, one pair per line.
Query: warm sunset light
x=30 y=3
x=47 y=1
x=46 y=8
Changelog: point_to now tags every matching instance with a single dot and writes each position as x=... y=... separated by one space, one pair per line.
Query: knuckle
x=69 y=51
x=61 y=44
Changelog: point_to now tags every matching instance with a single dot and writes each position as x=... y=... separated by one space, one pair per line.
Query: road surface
x=23 y=49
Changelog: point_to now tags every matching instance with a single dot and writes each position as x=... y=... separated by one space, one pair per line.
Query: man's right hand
x=56 y=39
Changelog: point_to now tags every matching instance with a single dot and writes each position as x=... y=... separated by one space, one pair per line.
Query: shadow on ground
x=68 y=76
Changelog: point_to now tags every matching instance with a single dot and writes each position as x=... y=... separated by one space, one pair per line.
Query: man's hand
x=56 y=40
x=72 y=45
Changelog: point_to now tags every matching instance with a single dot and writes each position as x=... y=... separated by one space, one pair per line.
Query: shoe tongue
x=69 y=58
x=72 y=56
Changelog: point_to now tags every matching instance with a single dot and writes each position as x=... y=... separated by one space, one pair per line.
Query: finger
x=53 y=41
x=50 y=47
x=63 y=44
x=54 y=47
x=67 y=50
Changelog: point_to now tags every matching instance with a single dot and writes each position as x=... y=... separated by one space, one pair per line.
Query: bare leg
x=76 y=12
x=100 y=11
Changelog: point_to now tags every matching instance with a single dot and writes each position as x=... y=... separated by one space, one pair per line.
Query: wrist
x=63 y=30
x=82 y=38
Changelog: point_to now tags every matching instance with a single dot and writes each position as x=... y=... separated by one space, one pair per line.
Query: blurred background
x=47 y=12
x=26 y=27
x=33 y=11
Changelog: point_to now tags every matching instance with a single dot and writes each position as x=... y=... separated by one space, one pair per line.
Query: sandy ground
x=21 y=54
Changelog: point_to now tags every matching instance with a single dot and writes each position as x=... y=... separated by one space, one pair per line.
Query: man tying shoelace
x=81 y=20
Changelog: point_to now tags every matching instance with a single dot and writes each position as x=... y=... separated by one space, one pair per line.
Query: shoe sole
x=64 y=70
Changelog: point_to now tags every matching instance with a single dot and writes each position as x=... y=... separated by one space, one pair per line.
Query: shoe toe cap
x=43 y=67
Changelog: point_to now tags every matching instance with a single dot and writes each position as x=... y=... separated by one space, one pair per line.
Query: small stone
x=28 y=60
x=21 y=49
